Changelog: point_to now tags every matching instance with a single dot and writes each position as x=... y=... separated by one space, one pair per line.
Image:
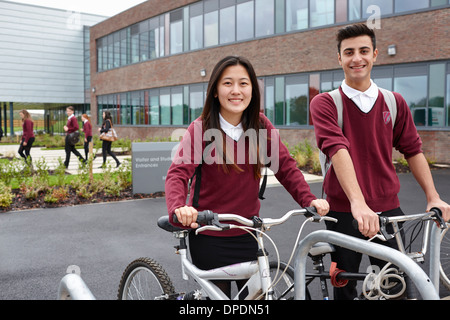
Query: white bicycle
x=145 y=279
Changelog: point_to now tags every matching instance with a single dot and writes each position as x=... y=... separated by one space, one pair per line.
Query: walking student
x=230 y=181
x=71 y=127
x=106 y=145
x=27 y=136
x=87 y=129
x=361 y=182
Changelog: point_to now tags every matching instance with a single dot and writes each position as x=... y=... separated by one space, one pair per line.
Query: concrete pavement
x=51 y=157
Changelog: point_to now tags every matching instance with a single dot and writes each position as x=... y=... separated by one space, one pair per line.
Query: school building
x=150 y=65
x=44 y=65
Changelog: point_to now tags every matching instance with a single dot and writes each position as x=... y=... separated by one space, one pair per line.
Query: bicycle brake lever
x=438 y=218
x=208 y=227
x=384 y=233
x=311 y=212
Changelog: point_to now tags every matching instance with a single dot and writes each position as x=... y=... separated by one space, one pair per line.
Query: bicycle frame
x=256 y=271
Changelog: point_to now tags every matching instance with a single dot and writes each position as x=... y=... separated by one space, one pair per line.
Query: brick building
x=150 y=64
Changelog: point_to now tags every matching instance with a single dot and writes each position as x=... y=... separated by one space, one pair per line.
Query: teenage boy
x=72 y=126
x=361 y=182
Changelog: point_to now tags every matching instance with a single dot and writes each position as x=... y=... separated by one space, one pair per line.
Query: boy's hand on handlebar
x=187 y=216
x=443 y=206
x=368 y=220
x=322 y=206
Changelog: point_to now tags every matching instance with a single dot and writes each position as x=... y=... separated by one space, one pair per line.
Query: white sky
x=100 y=7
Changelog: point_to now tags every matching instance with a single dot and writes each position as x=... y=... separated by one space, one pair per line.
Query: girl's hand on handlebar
x=187 y=216
x=322 y=206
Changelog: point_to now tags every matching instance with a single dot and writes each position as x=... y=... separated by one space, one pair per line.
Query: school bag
x=325 y=163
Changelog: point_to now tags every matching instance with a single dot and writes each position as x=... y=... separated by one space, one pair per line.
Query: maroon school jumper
x=72 y=125
x=369 y=139
x=28 y=132
x=87 y=129
x=232 y=192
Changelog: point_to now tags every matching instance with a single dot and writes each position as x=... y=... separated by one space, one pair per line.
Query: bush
x=6 y=197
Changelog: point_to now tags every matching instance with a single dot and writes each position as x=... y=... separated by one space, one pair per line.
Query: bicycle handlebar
x=211 y=221
x=434 y=214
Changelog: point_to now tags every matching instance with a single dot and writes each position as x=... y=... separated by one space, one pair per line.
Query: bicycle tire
x=445 y=258
x=145 y=279
x=284 y=289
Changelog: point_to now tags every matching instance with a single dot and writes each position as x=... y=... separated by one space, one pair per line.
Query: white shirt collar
x=233 y=132
x=72 y=115
x=364 y=100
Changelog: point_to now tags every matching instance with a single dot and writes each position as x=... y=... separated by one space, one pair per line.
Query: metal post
x=435 y=255
x=72 y=287
x=420 y=279
x=11 y=117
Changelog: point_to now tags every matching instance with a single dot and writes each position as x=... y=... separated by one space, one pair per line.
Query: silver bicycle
x=145 y=279
x=391 y=282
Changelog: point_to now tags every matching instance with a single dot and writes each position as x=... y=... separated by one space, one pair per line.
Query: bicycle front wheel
x=145 y=279
x=283 y=289
x=445 y=258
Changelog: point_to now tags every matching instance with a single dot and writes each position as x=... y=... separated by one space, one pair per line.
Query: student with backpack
x=230 y=180
x=358 y=141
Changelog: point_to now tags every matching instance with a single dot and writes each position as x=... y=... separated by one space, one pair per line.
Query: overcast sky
x=100 y=7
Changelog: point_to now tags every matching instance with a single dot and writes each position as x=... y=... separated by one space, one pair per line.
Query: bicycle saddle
x=321 y=248
x=163 y=223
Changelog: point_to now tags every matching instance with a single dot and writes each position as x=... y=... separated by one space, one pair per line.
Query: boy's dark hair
x=353 y=31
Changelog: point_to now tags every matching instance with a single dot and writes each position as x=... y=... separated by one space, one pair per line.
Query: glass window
x=123 y=47
x=296 y=100
x=322 y=12
x=164 y=100
x=110 y=61
x=279 y=100
x=196 y=26
x=116 y=59
x=436 y=3
x=264 y=18
x=448 y=94
x=385 y=7
x=211 y=21
x=144 y=40
x=135 y=107
x=436 y=110
x=270 y=99
x=135 y=43
x=245 y=21
x=196 y=101
x=354 y=10
x=176 y=32
x=99 y=54
x=411 y=82
x=382 y=76
x=154 y=38
x=326 y=80
x=177 y=106
x=408 y=5
x=227 y=24
x=296 y=14
x=154 y=106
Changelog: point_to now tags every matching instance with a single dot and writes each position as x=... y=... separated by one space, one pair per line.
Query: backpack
x=325 y=163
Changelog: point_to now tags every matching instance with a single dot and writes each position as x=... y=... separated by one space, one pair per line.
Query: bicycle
x=144 y=278
x=389 y=282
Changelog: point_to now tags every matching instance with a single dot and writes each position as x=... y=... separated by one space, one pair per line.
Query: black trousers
x=86 y=147
x=349 y=260
x=69 y=148
x=24 y=151
x=106 y=149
